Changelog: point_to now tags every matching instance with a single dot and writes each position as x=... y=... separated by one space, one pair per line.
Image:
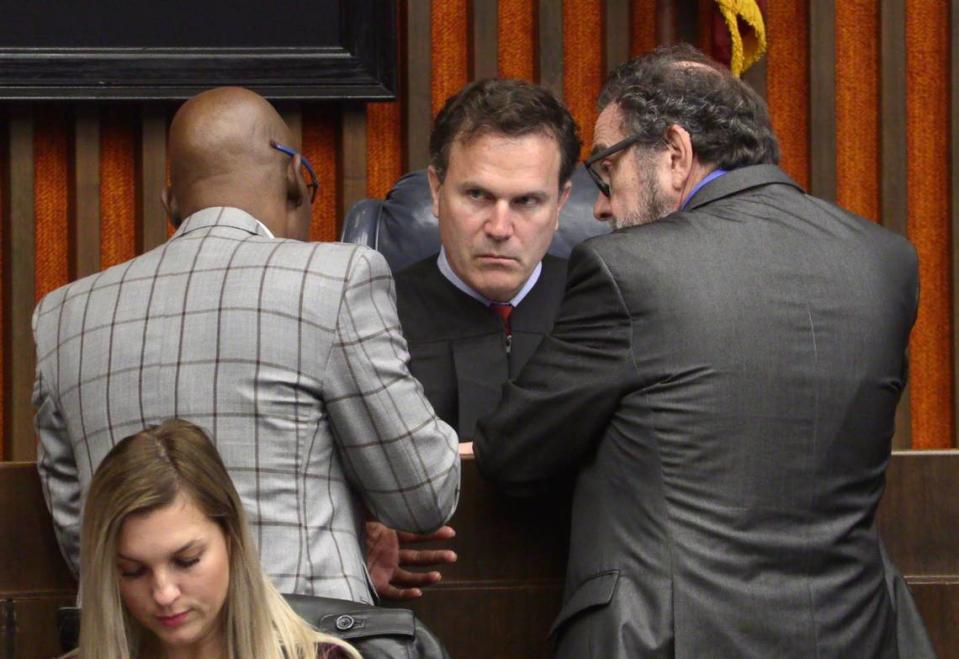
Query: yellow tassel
x=750 y=45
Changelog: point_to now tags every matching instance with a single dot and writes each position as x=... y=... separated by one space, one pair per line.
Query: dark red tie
x=503 y=310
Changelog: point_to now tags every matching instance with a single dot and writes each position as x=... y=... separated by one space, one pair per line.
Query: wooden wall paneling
x=34 y=579
x=86 y=177
x=19 y=280
x=857 y=86
x=449 y=49
x=353 y=150
x=665 y=22
x=4 y=262
x=385 y=126
x=929 y=225
x=517 y=38
x=643 y=26
x=583 y=67
x=755 y=77
x=892 y=64
x=153 y=176
x=937 y=601
x=32 y=560
x=893 y=156
x=686 y=21
x=51 y=197
x=321 y=125
x=384 y=144
x=787 y=83
x=822 y=99
x=551 y=46
x=617 y=33
x=705 y=37
x=918 y=526
x=484 y=39
x=499 y=603
x=954 y=189
x=119 y=223
x=419 y=113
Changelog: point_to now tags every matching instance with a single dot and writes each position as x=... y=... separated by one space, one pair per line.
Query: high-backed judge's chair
x=402 y=227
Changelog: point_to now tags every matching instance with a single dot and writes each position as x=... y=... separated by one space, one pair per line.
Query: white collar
x=266 y=229
x=444 y=265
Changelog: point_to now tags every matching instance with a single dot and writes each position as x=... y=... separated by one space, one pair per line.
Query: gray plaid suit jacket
x=289 y=354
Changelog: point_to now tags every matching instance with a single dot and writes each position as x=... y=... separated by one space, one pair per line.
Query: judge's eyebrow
x=189 y=545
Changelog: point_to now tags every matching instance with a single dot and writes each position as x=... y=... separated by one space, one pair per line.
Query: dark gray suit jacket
x=723 y=382
x=458 y=348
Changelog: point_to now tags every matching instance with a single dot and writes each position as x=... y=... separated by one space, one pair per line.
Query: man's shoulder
x=328 y=261
x=335 y=257
x=83 y=287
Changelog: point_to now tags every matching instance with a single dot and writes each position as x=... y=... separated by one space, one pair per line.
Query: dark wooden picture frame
x=362 y=66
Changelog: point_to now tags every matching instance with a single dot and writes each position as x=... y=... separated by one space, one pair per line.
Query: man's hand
x=384 y=558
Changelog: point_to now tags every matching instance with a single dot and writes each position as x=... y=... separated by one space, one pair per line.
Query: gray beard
x=654 y=206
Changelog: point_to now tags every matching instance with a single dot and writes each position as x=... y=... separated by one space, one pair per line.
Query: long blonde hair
x=147 y=471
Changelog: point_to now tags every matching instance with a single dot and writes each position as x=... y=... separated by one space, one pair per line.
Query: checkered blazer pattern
x=289 y=354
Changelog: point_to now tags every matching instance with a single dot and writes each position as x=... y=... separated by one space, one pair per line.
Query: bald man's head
x=221 y=155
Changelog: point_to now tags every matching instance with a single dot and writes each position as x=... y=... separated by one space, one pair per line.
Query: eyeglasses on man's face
x=314 y=183
x=600 y=177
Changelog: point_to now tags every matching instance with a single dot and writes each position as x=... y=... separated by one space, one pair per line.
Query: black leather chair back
x=402 y=227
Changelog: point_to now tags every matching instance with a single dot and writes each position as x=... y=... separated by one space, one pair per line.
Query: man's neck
x=699 y=175
x=447 y=271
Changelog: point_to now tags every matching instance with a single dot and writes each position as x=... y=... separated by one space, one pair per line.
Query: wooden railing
x=499 y=599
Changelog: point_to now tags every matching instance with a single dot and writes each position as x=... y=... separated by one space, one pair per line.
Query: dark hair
x=510 y=107
x=727 y=121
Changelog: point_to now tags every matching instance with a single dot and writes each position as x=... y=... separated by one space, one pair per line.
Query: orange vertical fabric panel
x=583 y=66
x=517 y=39
x=385 y=126
x=51 y=198
x=449 y=49
x=927 y=177
x=642 y=28
x=384 y=150
x=320 y=129
x=787 y=83
x=118 y=203
x=857 y=107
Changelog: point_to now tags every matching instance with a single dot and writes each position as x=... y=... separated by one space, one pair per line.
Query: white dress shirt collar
x=444 y=265
x=266 y=229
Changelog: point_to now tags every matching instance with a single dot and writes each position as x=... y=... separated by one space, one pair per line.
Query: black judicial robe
x=457 y=346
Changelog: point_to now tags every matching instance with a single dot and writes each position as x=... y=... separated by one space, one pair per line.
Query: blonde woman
x=167 y=564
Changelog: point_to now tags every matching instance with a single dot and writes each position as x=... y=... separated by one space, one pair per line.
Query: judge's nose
x=499 y=225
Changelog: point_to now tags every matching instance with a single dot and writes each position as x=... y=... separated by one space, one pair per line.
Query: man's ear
x=170 y=206
x=679 y=148
x=295 y=188
x=435 y=184
x=563 y=198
